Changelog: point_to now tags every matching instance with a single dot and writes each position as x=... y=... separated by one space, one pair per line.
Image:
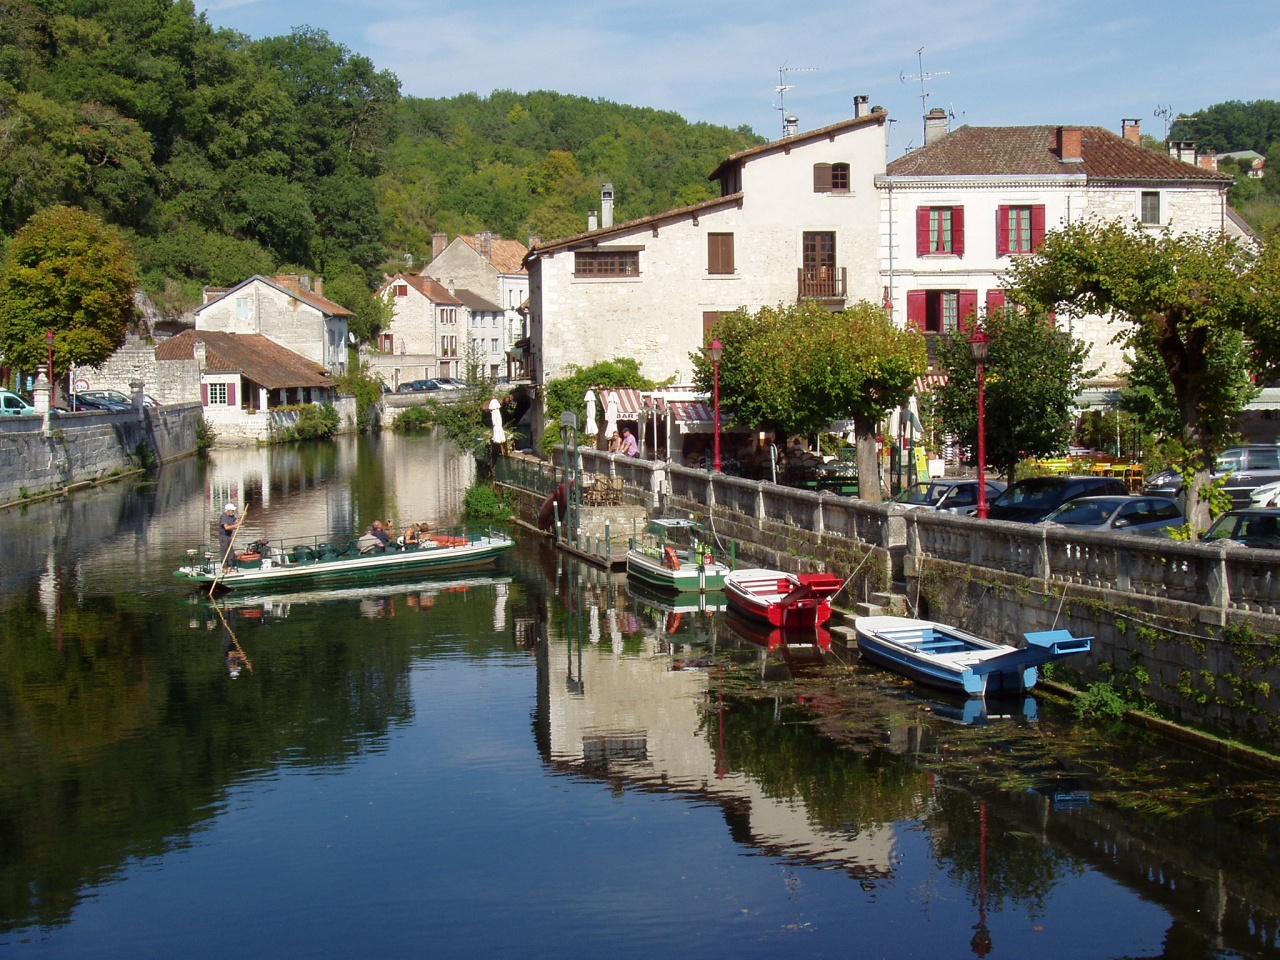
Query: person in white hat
x=227 y=527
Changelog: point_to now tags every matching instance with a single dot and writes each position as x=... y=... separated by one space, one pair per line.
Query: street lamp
x=48 y=342
x=715 y=352
x=979 y=343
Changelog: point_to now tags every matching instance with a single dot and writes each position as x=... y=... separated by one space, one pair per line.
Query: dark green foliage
x=206 y=435
x=483 y=504
x=1101 y=703
x=315 y=422
x=1230 y=126
x=1033 y=376
x=462 y=420
x=365 y=388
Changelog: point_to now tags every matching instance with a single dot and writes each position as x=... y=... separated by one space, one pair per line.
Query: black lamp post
x=979 y=344
x=48 y=342
x=715 y=351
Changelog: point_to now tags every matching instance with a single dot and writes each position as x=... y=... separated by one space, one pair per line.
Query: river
x=536 y=762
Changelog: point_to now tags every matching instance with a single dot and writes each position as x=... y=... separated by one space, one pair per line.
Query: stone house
x=287 y=311
x=957 y=212
x=796 y=219
x=427 y=334
x=487 y=335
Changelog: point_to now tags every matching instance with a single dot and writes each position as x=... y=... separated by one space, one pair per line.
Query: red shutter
x=922 y=231
x=204 y=394
x=957 y=235
x=231 y=393
x=917 y=308
x=821 y=177
x=1037 y=226
x=995 y=300
x=968 y=307
x=1002 y=232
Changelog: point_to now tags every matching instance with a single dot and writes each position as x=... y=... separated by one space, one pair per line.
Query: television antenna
x=923 y=76
x=782 y=88
x=1165 y=112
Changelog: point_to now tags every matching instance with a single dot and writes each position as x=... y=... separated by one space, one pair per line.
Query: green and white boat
x=674 y=557
x=265 y=563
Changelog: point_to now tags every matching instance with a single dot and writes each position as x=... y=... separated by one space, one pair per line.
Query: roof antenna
x=922 y=76
x=1165 y=113
x=782 y=88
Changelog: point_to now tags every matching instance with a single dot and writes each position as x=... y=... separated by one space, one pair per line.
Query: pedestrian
x=629 y=445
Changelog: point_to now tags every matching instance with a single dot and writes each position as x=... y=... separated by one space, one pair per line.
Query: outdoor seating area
x=599 y=490
x=1096 y=465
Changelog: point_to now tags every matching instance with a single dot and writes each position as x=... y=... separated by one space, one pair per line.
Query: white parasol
x=611 y=414
x=913 y=415
x=495 y=415
x=589 y=425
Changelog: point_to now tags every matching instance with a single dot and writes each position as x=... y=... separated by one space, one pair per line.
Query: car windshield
x=1036 y=492
x=1224 y=527
x=926 y=493
x=1229 y=462
x=1083 y=512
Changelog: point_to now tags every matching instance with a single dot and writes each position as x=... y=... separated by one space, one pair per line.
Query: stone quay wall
x=45 y=454
x=1188 y=629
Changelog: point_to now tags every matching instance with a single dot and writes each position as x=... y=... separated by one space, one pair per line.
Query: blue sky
x=993 y=61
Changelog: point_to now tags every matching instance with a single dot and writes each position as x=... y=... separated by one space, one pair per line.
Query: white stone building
x=426 y=337
x=285 y=310
x=488 y=336
x=796 y=219
x=957 y=212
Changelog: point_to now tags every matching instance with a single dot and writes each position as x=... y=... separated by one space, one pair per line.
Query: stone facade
x=175 y=381
x=426 y=336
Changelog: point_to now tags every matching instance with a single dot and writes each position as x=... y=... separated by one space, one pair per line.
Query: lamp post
x=48 y=342
x=715 y=351
x=979 y=344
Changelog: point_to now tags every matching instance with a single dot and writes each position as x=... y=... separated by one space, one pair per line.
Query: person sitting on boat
x=414 y=535
x=381 y=531
x=227 y=527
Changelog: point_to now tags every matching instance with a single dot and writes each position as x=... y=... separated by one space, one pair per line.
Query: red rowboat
x=789 y=601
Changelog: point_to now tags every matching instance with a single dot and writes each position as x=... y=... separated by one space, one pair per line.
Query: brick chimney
x=1070 y=144
x=1208 y=162
x=936 y=125
x=484 y=244
x=1131 y=129
x=438 y=242
x=534 y=241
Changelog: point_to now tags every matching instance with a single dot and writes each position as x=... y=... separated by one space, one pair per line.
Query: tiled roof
x=507 y=255
x=263 y=361
x=1033 y=151
x=476 y=303
x=786 y=143
x=668 y=216
x=286 y=284
x=433 y=290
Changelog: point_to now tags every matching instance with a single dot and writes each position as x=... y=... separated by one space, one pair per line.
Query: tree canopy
x=68 y=272
x=799 y=367
x=1176 y=297
x=1033 y=375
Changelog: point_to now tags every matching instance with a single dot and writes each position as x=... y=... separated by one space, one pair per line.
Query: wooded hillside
x=221 y=157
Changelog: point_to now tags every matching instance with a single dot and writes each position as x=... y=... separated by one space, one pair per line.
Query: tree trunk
x=868 y=462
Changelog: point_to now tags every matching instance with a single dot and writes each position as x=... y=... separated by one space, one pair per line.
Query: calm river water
x=533 y=762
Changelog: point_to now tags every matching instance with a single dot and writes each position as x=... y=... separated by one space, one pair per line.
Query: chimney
x=935 y=125
x=1131 y=129
x=606 y=205
x=1070 y=144
x=533 y=242
x=484 y=244
x=449 y=286
x=790 y=126
x=319 y=286
x=861 y=106
x=438 y=242
x=1208 y=162
x=1184 y=150
x=592 y=222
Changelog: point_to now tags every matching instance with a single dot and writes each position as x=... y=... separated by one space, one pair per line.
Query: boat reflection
x=977 y=711
x=376 y=600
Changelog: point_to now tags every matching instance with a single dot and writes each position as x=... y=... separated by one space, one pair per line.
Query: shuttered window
x=1019 y=229
x=939 y=230
x=719 y=253
x=831 y=178
x=995 y=300
x=821 y=177
x=709 y=319
x=942 y=311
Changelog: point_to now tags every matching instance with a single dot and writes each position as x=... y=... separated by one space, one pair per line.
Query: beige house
x=427 y=334
x=287 y=311
x=796 y=219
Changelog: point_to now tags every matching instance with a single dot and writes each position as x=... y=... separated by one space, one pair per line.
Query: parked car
x=1267 y=495
x=113 y=398
x=451 y=383
x=13 y=405
x=1252 y=526
x=1246 y=468
x=1032 y=499
x=418 y=386
x=80 y=402
x=953 y=495
x=1150 y=515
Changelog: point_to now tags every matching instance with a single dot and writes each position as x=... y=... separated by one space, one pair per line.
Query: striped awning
x=930 y=382
x=630 y=403
x=691 y=411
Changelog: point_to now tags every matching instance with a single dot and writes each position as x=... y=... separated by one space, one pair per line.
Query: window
x=493 y=345
x=939 y=230
x=607 y=263
x=388 y=343
x=223 y=394
x=402 y=289
x=941 y=311
x=1019 y=229
x=448 y=346
x=1150 y=206
x=719 y=253
x=448 y=315
x=242 y=308
x=709 y=319
x=830 y=178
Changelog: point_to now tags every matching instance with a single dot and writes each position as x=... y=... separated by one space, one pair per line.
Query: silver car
x=1150 y=515
x=948 y=495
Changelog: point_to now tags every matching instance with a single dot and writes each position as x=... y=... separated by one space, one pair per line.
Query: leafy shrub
x=206 y=436
x=315 y=421
x=1101 y=703
x=484 y=504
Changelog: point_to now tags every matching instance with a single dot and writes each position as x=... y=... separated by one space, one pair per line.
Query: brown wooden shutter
x=821 y=177
x=917 y=308
x=1037 y=226
x=957 y=234
x=720 y=253
x=709 y=319
x=1002 y=231
x=922 y=231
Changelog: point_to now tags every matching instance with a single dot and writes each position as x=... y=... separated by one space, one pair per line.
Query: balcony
x=823 y=283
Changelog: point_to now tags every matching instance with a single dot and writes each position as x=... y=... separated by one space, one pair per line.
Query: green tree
x=1033 y=375
x=68 y=272
x=1174 y=296
x=568 y=393
x=799 y=367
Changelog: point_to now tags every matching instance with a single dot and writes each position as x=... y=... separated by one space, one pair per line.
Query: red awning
x=630 y=403
x=692 y=411
x=930 y=382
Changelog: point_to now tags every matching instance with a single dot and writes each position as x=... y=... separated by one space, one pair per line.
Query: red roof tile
x=263 y=361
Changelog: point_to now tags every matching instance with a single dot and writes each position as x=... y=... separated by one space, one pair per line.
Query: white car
x=1267 y=495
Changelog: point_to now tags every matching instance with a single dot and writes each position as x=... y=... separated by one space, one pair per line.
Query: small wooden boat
x=946 y=657
x=790 y=601
x=266 y=563
x=674 y=558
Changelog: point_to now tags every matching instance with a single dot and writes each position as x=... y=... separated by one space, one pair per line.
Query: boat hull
x=787 y=601
x=456 y=553
x=691 y=577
